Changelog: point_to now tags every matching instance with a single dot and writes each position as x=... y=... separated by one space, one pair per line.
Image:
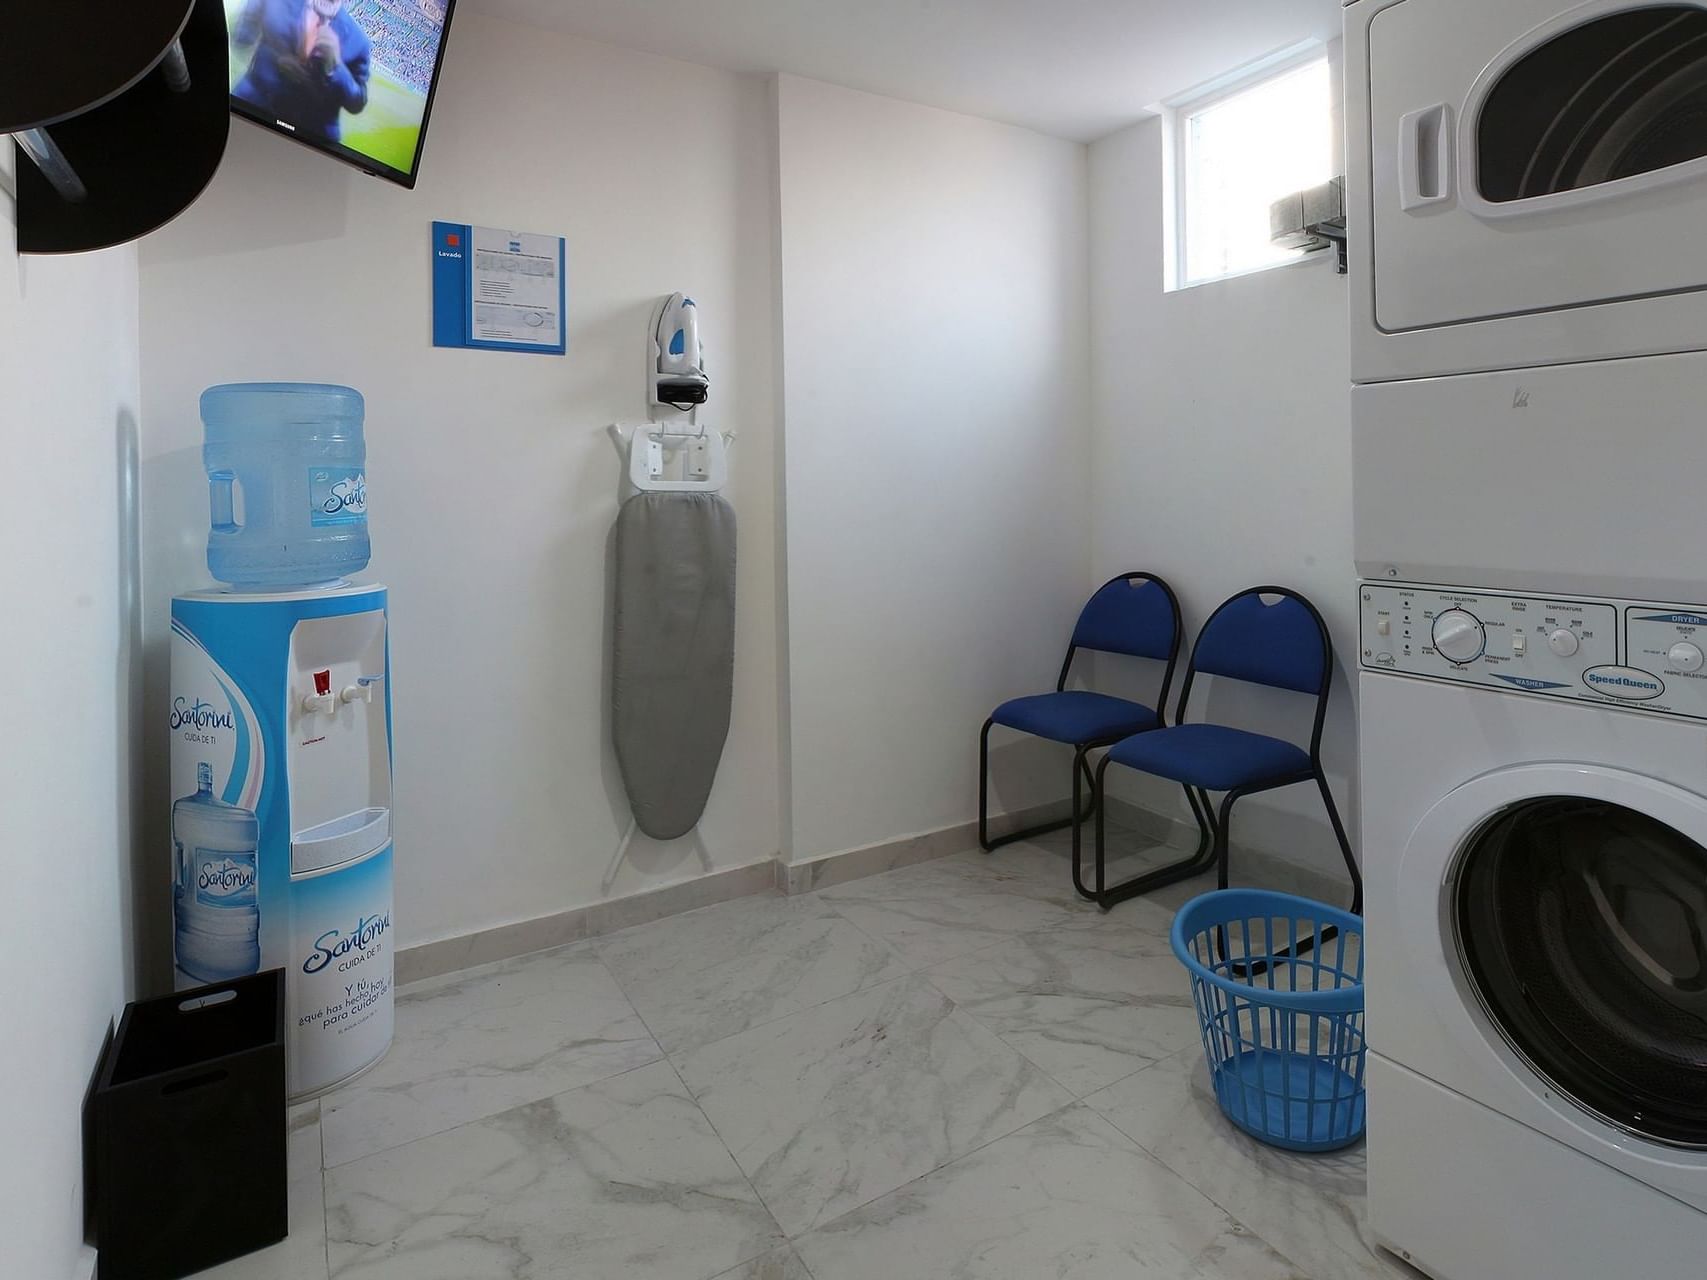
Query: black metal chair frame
x=1081 y=768
x=1213 y=827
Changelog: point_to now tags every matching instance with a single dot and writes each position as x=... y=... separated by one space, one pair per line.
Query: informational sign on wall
x=498 y=290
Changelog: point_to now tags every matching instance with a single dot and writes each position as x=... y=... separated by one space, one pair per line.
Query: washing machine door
x=1575 y=908
x=1532 y=156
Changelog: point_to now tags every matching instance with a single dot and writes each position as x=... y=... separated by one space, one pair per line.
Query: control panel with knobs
x=1621 y=653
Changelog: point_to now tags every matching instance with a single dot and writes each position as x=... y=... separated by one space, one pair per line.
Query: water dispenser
x=281 y=728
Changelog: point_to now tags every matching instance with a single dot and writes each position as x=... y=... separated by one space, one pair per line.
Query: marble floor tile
x=1049 y=866
x=302 y=1254
x=784 y=1264
x=938 y=910
x=485 y=1041
x=619 y=1180
x=714 y=972
x=836 y=1105
x=1311 y=1207
x=1132 y=855
x=1087 y=1007
x=1067 y=1196
x=1142 y=915
x=1261 y=871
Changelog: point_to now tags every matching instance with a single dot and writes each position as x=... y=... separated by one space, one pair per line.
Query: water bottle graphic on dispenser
x=287 y=475
x=217 y=908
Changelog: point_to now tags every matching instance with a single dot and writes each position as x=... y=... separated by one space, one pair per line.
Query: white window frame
x=1176 y=114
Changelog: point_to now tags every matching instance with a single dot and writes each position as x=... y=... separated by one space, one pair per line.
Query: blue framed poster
x=499 y=290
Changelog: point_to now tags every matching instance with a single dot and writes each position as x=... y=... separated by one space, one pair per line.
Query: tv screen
x=353 y=78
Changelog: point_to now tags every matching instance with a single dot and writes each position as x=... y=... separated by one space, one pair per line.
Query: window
x=1236 y=150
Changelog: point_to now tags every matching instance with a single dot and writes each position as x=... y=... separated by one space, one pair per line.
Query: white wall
x=935 y=374
x=68 y=363
x=1222 y=459
x=494 y=487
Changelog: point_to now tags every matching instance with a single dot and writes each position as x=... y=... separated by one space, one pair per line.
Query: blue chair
x=1284 y=645
x=1134 y=614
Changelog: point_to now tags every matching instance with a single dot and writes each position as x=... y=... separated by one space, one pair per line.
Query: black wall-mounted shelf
x=141 y=150
x=62 y=57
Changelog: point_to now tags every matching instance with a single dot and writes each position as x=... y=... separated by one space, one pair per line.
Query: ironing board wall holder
x=648 y=451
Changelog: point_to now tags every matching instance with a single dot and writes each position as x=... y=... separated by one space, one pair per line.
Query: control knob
x=1563 y=641
x=1685 y=656
x=1458 y=636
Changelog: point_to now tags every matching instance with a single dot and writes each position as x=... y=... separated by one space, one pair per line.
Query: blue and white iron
x=677 y=375
x=674 y=452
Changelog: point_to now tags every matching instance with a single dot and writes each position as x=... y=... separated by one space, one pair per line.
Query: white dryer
x=1534 y=827
x=1526 y=182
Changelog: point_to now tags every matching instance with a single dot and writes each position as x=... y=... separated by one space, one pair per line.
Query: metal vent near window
x=1618 y=96
x=1583 y=926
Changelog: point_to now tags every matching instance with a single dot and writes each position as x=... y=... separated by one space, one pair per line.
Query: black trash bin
x=189 y=1118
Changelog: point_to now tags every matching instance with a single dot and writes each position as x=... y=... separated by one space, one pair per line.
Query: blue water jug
x=287 y=475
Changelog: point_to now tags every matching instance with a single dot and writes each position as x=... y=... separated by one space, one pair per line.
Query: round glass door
x=1583 y=926
x=1620 y=95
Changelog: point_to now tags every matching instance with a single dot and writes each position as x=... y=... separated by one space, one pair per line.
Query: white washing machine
x=1526 y=182
x=1534 y=829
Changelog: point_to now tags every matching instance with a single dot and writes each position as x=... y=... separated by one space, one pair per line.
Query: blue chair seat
x=1075 y=716
x=1212 y=756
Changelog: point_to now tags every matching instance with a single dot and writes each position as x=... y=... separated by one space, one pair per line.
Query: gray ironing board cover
x=674 y=662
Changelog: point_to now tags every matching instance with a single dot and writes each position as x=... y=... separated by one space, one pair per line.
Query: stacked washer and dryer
x=1527 y=199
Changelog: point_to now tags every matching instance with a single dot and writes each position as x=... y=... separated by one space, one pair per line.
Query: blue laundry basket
x=1282 y=1028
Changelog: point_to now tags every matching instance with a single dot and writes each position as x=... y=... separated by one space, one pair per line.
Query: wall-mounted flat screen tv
x=352 y=78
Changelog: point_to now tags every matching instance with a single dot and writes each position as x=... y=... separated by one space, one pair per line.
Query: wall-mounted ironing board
x=674 y=648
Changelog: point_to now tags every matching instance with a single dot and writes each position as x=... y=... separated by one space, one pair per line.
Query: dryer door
x=1530 y=156
x=1576 y=904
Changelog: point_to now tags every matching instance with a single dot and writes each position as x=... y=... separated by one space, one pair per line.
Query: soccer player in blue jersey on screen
x=311 y=63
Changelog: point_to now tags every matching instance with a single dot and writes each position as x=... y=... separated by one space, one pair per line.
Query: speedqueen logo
x=1631 y=684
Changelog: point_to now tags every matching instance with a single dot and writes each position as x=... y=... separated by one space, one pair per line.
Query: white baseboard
x=430 y=959
x=447 y=955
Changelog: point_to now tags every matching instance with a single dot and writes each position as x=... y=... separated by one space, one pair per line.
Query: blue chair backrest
x=1281 y=645
x=1134 y=616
